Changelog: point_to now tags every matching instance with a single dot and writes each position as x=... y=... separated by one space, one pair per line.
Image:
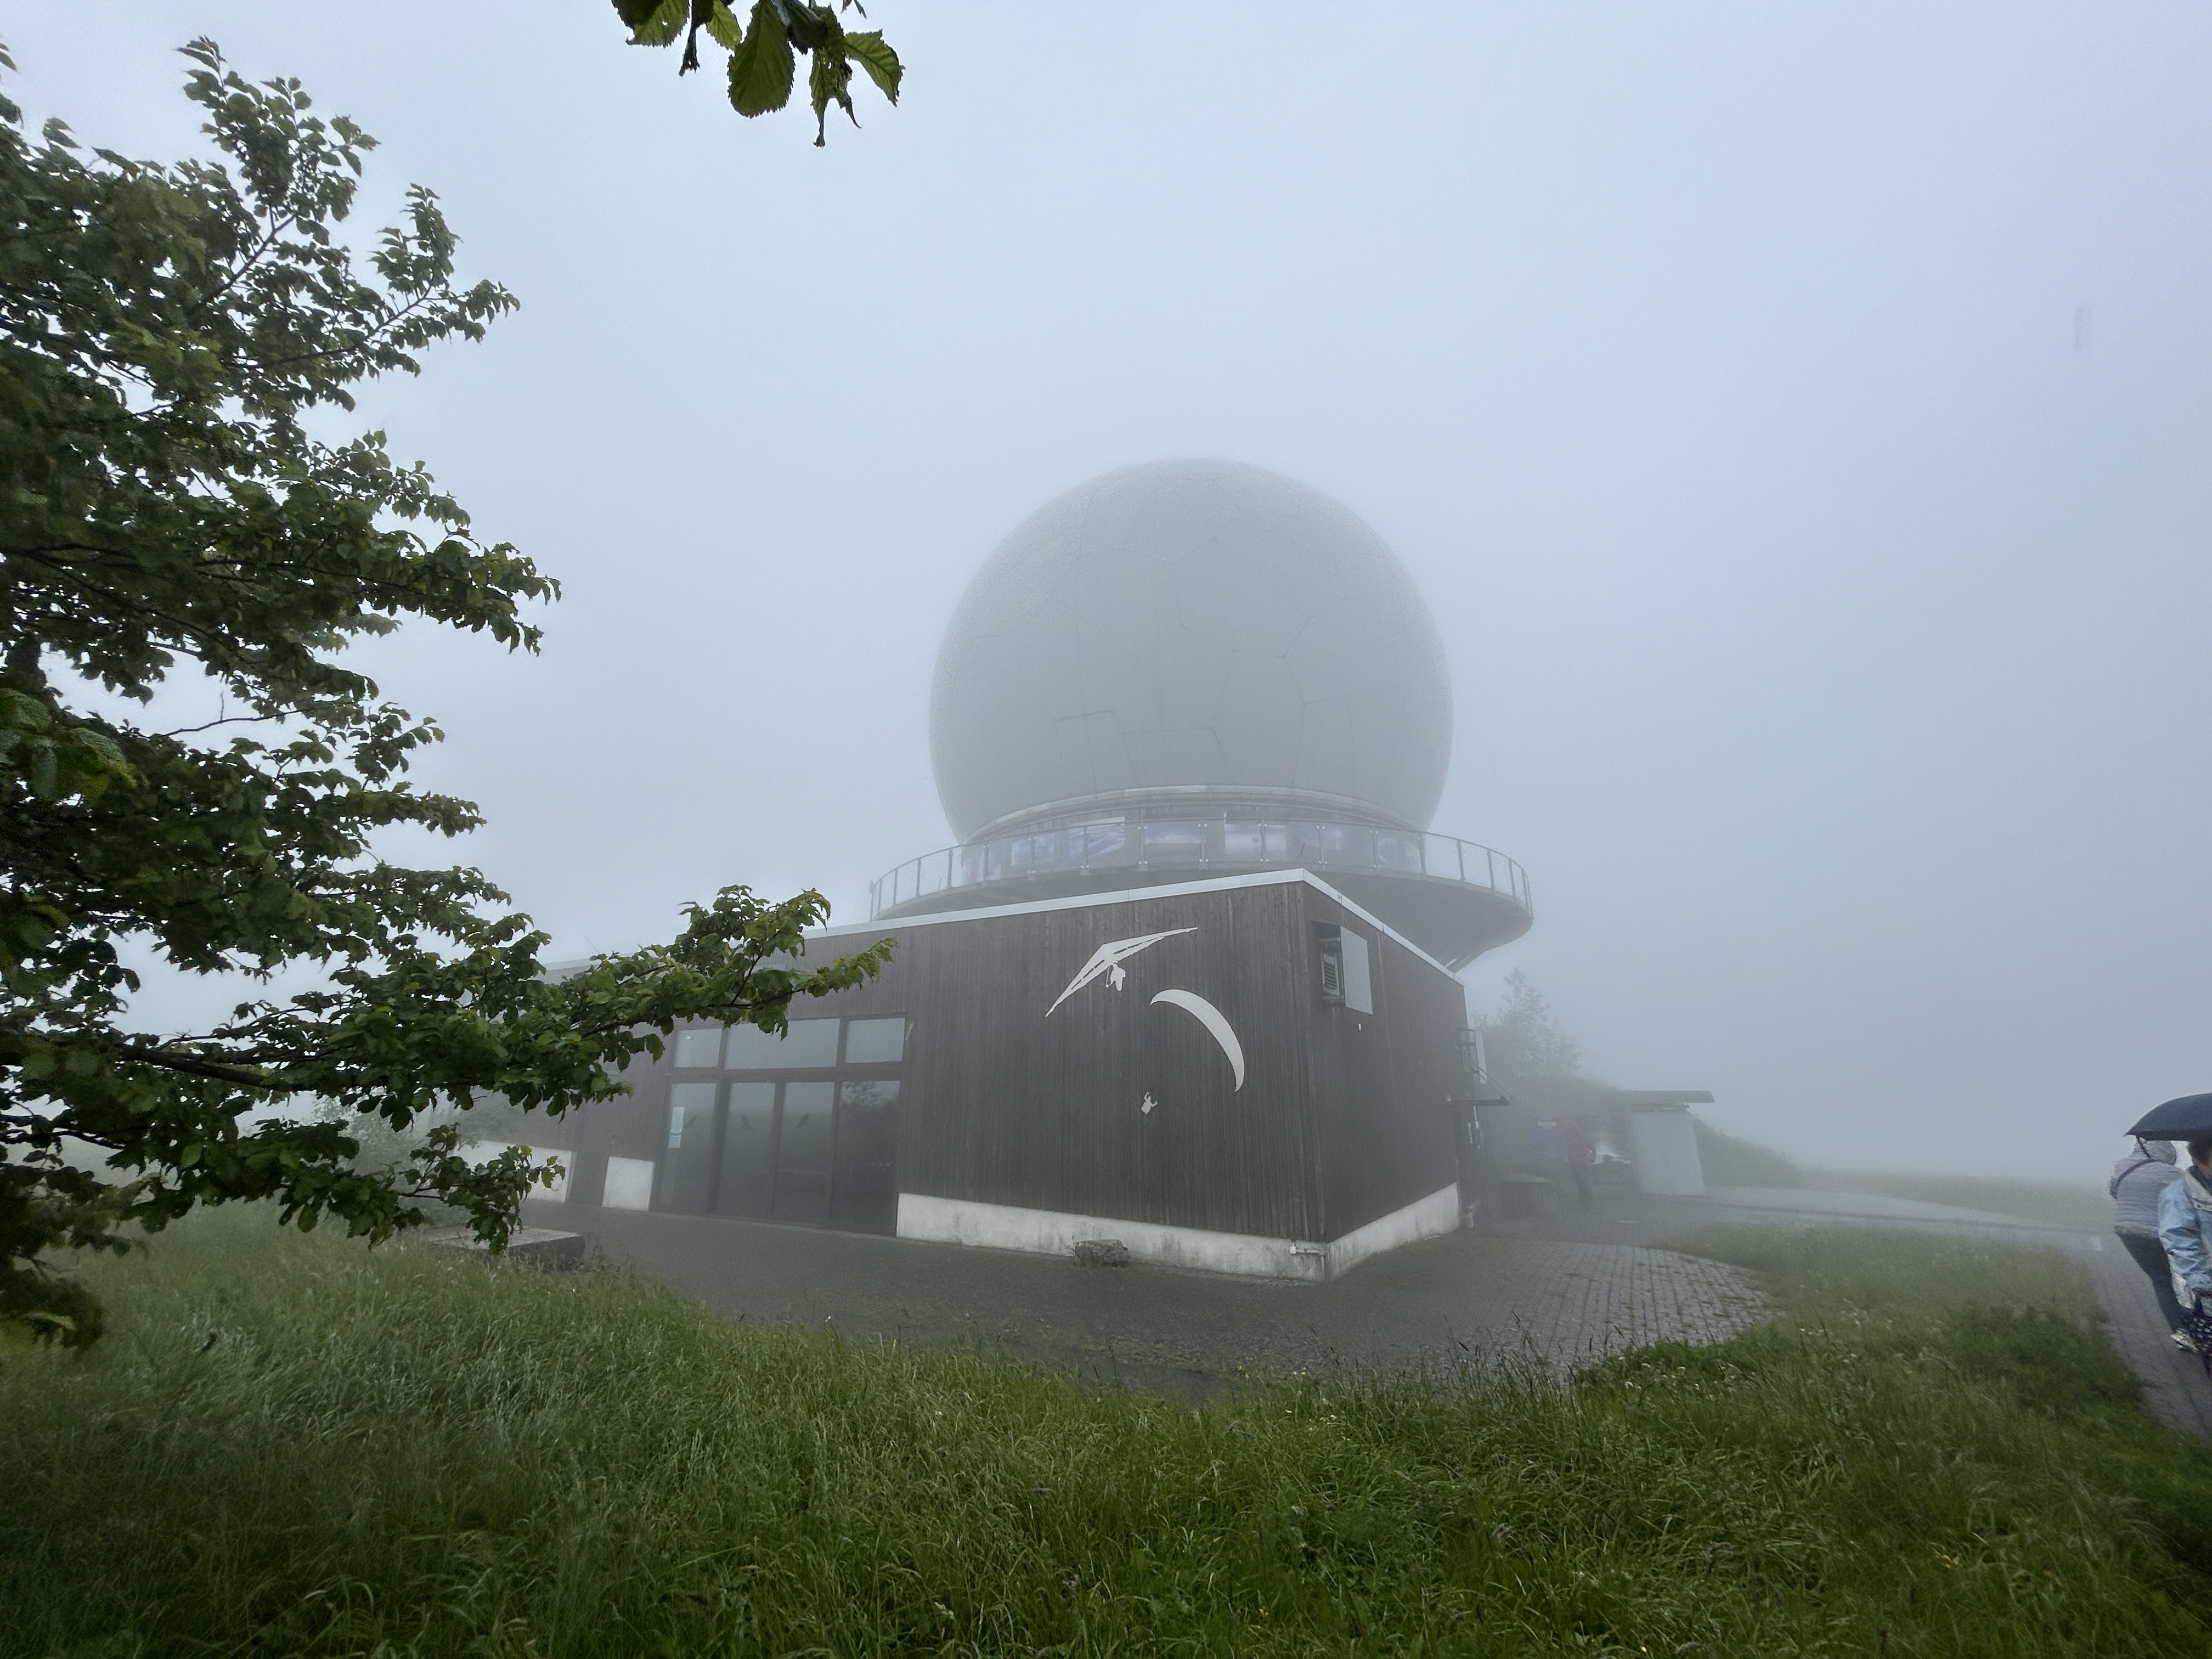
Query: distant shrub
x=1731 y=1162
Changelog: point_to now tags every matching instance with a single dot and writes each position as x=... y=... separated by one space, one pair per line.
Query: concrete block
x=1101 y=1253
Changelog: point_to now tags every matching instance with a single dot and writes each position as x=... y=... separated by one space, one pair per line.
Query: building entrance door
x=748 y=1176
x=803 y=1149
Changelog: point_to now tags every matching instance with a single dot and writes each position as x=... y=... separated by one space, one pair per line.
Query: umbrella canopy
x=2185 y=1119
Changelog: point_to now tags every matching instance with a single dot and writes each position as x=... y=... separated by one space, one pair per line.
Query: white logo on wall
x=1106 y=961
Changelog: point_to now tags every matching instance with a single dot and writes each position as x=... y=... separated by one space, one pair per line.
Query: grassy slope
x=1929 y=1456
x=1731 y=1161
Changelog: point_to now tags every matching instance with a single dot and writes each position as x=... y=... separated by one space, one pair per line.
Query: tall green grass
x=290 y=1444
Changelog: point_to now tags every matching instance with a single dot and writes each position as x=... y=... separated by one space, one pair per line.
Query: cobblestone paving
x=1466 y=1299
x=1578 y=1302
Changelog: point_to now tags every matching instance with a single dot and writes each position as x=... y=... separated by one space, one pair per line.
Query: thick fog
x=1797 y=417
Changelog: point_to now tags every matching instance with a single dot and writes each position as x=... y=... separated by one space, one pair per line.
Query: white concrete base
x=629 y=1184
x=1054 y=1232
x=1425 y=1217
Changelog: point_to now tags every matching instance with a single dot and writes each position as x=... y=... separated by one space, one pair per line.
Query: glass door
x=803 y=1151
x=867 y=1193
x=687 y=1165
x=748 y=1173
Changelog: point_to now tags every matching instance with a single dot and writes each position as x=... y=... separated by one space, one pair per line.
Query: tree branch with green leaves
x=166 y=513
x=765 y=49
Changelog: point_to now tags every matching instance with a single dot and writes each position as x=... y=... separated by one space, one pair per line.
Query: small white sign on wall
x=629 y=1184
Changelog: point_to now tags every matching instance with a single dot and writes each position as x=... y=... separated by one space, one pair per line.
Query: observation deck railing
x=1176 y=847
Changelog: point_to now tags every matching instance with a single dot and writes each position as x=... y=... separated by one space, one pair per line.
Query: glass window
x=1397 y=851
x=699 y=1047
x=867 y=1156
x=748 y=1150
x=1255 y=843
x=1097 y=843
x=811 y=1043
x=1336 y=843
x=802 y=1152
x=875 y=1041
x=689 y=1163
x=1174 y=841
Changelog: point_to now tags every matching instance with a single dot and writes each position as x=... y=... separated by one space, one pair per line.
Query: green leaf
x=812 y=25
x=654 y=22
x=764 y=67
x=722 y=24
x=873 y=53
x=830 y=81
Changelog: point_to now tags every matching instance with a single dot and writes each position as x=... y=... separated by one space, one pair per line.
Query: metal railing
x=1172 y=846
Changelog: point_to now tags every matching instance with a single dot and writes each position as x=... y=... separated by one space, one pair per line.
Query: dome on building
x=1190 y=625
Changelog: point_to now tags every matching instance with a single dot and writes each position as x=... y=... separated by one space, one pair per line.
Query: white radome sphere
x=1190 y=623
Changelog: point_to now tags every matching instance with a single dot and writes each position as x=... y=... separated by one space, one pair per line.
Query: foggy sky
x=1826 y=605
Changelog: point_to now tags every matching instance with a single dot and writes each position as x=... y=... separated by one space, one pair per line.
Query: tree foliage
x=168 y=511
x=765 y=50
x=1522 y=1040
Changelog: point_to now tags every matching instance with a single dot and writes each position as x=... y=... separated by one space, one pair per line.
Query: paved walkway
x=2175 y=1388
x=1464 y=1299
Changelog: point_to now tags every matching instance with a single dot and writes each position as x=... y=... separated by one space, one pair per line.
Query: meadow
x=292 y=1444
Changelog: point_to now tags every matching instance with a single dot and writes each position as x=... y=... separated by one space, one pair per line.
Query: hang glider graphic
x=1108 y=959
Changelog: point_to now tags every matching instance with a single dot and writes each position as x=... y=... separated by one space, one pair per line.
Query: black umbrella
x=2185 y=1119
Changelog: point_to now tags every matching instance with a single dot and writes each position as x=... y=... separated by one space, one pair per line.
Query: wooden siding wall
x=1003 y=1103
x=1381 y=1079
x=1341 y=1119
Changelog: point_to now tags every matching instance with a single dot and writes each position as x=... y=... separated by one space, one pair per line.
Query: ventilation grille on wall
x=1345 y=980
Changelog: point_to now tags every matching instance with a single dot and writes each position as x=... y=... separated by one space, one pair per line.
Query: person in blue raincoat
x=2185 y=1227
x=2137 y=1180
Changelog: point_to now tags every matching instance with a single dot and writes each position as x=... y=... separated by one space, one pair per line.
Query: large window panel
x=688 y=1166
x=1174 y=841
x=748 y=1150
x=803 y=1155
x=810 y=1042
x=875 y=1041
x=1256 y=843
x=866 y=1194
x=699 y=1047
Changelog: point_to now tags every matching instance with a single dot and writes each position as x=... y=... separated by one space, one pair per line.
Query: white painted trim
x=1085 y=901
x=1426 y=1218
x=1056 y=1232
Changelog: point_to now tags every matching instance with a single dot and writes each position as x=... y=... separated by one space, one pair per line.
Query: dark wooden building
x=1250 y=1074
